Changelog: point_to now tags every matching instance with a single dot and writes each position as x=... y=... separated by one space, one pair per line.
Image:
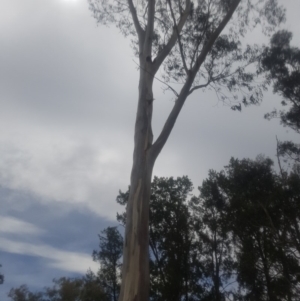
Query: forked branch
x=136 y=22
x=179 y=40
x=164 y=135
x=149 y=29
x=207 y=47
x=173 y=39
x=161 y=81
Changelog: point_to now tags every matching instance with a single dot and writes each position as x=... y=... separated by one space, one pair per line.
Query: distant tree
x=184 y=38
x=268 y=265
x=281 y=62
x=23 y=294
x=92 y=289
x=288 y=236
x=252 y=186
x=109 y=256
x=211 y=224
x=174 y=272
x=64 y=289
x=1 y=277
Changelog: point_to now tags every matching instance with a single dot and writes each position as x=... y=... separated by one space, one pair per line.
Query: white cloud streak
x=13 y=225
x=55 y=258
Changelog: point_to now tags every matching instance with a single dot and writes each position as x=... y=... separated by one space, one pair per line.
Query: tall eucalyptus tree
x=182 y=37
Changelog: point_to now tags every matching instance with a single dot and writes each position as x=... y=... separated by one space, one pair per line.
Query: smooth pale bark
x=135 y=271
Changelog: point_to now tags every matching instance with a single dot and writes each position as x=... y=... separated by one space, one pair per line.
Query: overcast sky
x=68 y=95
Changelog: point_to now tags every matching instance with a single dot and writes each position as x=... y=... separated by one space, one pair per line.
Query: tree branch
x=172 y=89
x=149 y=29
x=200 y=59
x=152 y=246
x=179 y=6
x=199 y=87
x=172 y=41
x=278 y=160
x=165 y=133
x=178 y=37
x=202 y=35
x=213 y=79
x=136 y=22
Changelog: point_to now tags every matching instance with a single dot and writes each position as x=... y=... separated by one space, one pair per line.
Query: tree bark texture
x=135 y=273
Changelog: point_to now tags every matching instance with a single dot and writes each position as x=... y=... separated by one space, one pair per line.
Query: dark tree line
x=238 y=240
x=87 y=288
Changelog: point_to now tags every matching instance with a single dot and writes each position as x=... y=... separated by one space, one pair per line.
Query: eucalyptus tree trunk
x=135 y=272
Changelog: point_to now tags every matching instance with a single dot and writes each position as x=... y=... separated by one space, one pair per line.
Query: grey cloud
x=63 y=243
x=69 y=226
x=75 y=171
x=59 y=71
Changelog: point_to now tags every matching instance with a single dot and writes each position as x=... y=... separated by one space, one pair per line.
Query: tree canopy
x=186 y=35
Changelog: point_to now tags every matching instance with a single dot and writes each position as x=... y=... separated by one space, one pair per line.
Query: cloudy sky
x=68 y=93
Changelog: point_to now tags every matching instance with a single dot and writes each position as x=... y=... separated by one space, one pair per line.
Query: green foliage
x=173 y=270
x=23 y=294
x=267 y=256
x=64 y=289
x=111 y=247
x=92 y=289
x=281 y=63
x=210 y=211
x=252 y=189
